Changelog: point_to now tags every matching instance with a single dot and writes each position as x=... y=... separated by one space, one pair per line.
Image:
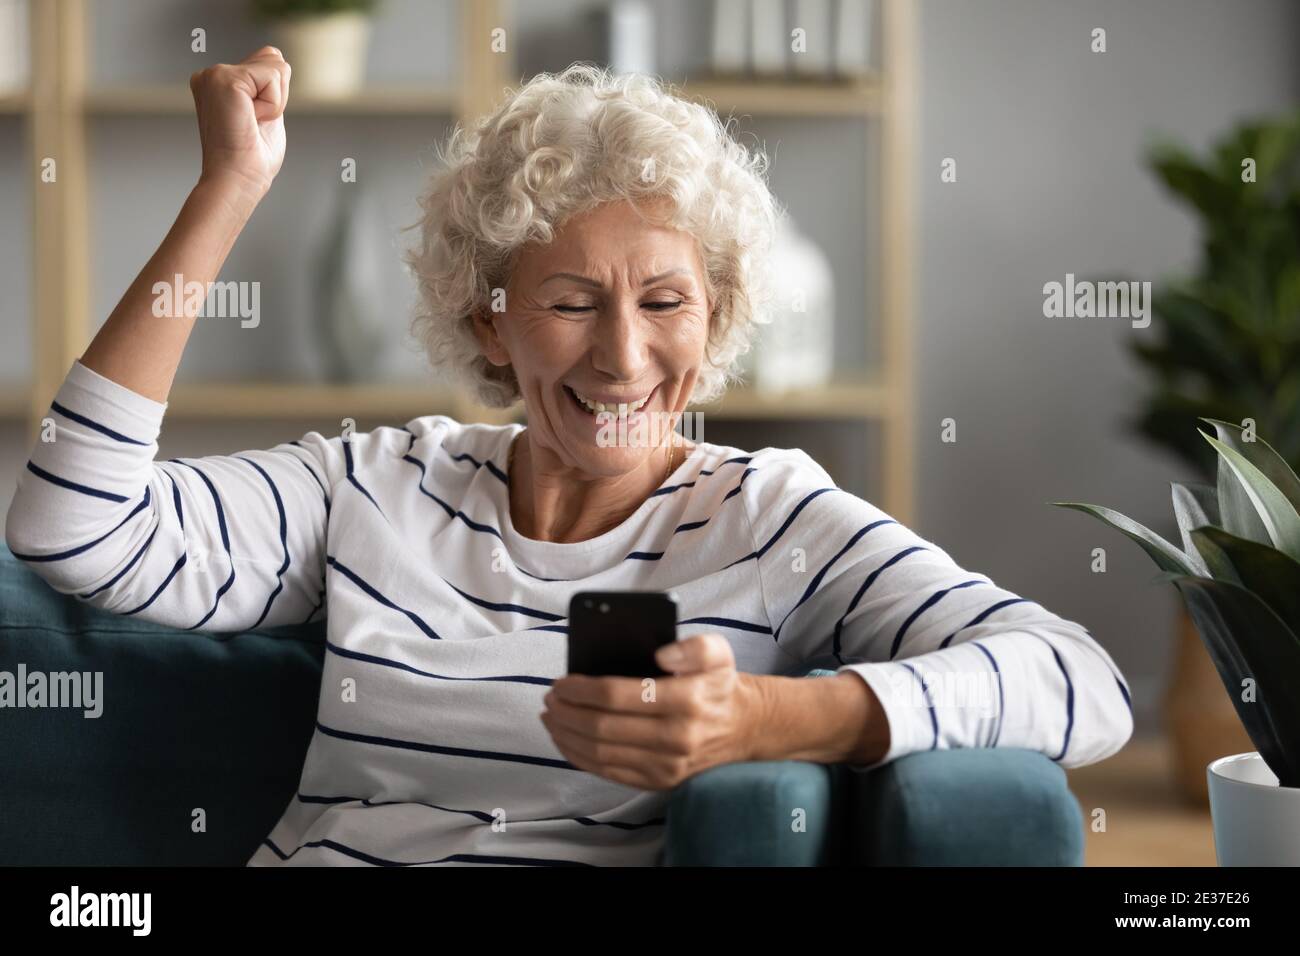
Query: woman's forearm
x=822 y=720
x=140 y=349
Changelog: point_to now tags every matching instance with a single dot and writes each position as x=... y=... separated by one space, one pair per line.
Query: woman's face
x=613 y=310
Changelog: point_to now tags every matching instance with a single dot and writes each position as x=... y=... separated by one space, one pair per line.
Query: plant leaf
x=1195 y=505
x=1260 y=454
x=1266 y=572
x=1277 y=513
x=1246 y=640
x=1162 y=552
x=1216 y=561
x=1236 y=512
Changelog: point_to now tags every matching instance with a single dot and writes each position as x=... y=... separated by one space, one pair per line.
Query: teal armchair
x=223 y=722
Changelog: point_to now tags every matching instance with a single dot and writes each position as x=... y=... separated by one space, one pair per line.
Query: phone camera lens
x=604 y=608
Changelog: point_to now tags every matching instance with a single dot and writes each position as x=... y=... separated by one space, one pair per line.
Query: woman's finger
x=649 y=732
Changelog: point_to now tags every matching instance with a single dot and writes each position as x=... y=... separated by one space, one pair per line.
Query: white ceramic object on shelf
x=768 y=39
x=631 y=36
x=814 y=18
x=853 y=23
x=13 y=46
x=730 y=36
x=1256 y=821
x=327 y=53
x=797 y=350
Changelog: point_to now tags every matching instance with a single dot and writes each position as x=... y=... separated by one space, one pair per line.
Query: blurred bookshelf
x=177 y=100
x=58 y=110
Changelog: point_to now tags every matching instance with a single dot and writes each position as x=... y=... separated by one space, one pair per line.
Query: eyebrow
x=592 y=282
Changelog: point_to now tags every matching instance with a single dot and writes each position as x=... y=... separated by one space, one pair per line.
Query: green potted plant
x=1238 y=571
x=1226 y=344
x=325 y=41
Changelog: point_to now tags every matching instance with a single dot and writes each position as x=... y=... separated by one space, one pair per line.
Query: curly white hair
x=559 y=145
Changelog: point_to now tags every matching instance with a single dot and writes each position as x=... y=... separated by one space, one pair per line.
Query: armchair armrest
x=765 y=813
x=967 y=807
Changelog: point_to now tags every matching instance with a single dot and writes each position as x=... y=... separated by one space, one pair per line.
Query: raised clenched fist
x=240 y=110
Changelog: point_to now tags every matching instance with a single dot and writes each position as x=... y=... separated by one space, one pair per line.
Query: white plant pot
x=327 y=53
x=1256 y=822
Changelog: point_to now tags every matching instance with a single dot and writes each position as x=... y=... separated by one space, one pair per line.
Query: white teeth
x=623 y=409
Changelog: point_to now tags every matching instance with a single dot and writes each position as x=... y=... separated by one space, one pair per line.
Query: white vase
x=730 y=37
x=630 y=34
x=327 y=53
x=797 y=350
x=1256 y=821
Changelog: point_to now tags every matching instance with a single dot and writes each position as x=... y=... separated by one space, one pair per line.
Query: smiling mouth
x=594 y=408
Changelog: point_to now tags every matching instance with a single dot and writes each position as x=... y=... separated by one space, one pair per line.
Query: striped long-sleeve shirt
x=446 y=626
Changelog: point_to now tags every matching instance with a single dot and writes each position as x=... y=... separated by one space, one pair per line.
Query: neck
x=549 y=501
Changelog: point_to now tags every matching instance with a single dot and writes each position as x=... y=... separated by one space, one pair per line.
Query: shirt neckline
x=624 y=532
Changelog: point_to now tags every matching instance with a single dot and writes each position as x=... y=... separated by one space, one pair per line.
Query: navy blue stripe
x=1069 y=696
x=669 y=489
x=934 y=717
x=933 y=599
x=477 y=814
x=473 y=525
x=454 y=858
x=440 y=749
x=727 y=622
x=284 y=541
x=1124 y=690
x=225 y=543
x=180 y=563
x=176 y=498
x=127 y=567
x=982 y=615
x=1002 y=699
x=325 y=494
x=102 y=429
x=871 y=579
x=398 y=665
x=815 y=583
x=356 y=579
x=693 y=525
x=352 y=479
x=64 y=555
x=72 y=485
x=785 y=526
x=513 y=608
x=465 y=456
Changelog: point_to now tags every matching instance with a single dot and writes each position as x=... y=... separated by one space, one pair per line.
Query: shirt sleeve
x=955 y=660
x=218 y=543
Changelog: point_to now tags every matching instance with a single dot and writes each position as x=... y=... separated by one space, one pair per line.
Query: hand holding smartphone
x=616 y=633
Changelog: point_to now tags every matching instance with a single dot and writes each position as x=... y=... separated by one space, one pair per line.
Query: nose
x=621 y=339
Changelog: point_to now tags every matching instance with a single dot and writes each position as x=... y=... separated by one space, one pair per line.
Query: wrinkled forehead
x=613 y=240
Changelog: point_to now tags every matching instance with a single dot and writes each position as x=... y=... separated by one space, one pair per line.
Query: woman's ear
x=489 y=342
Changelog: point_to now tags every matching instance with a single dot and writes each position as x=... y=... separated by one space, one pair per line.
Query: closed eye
x=653 y=306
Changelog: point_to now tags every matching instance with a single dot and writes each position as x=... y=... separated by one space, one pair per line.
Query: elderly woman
x=595 y=248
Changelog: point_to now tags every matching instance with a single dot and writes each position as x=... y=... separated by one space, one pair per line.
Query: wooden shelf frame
x=59 y=104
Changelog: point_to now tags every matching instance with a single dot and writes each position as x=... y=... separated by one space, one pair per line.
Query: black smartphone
x=616 y=633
